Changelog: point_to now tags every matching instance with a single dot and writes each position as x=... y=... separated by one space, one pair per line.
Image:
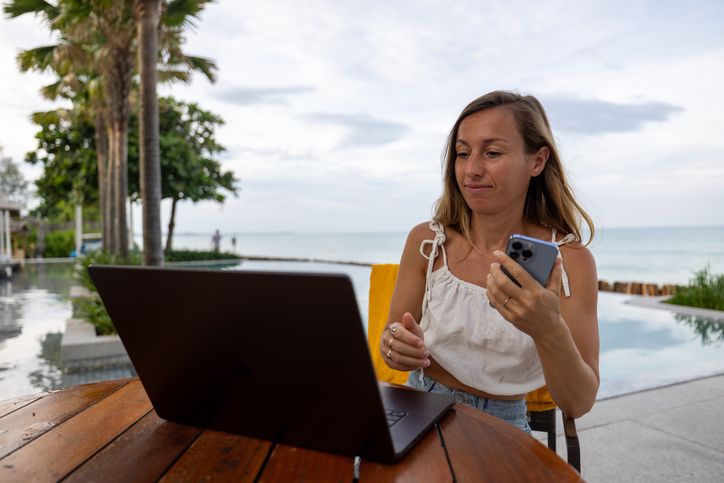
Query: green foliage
x=705 y=291
x=59 y=244
x=100 y=257
x=195 y=255
x=66 y=151
x=92 y=308
x=187 y=147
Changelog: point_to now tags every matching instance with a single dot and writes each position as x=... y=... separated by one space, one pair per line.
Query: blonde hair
x=549 y=200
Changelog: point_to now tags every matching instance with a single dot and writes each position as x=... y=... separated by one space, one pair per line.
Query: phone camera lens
x=517 y=245
x=514 y=255
x=527 y=253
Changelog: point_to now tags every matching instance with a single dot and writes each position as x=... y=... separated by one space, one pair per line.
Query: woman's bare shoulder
x=577 y=251
x=421 y=232
x=579 y=264
x=417 y=235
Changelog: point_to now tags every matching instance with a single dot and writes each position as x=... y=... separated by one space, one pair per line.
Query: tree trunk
x=102 y=157
x=122 y=187
x=110 y=190
x=150 y=163
x=171 y=224
x=118 y=87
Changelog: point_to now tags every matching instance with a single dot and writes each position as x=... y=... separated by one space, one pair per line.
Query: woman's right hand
x=405 y=349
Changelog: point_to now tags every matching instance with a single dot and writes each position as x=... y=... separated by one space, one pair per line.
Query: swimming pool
x=640 y=347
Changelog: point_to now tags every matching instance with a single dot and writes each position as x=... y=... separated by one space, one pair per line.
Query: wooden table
x=108 y=431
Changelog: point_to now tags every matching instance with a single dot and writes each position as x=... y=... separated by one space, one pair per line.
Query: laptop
x=271 y=355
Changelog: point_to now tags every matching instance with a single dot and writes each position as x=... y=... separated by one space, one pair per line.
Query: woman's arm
x=564 y=329
x=408 y=352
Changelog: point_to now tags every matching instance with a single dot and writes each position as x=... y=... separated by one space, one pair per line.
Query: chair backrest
x=382 y=285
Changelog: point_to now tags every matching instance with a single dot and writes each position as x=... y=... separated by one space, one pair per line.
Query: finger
x=413 y=327
x=404 y=341
x=496 y=295
x=503 y=287
x=554 y=281
x=408 y=350
x=400 y=361
x=515 y=269
x=404 y=357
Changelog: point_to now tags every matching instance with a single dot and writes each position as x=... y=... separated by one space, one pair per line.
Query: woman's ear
x=539 y=161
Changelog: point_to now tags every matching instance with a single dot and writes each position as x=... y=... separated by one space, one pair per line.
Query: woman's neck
x=492 y=233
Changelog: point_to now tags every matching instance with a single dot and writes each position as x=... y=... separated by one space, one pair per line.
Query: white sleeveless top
x=469 y=338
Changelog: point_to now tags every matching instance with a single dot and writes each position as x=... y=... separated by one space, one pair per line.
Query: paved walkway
x=669 y=434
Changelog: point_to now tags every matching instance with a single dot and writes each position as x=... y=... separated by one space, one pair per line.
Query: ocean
x=647 y=255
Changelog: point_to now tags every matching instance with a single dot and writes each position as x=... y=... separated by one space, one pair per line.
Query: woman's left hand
x=532 y=308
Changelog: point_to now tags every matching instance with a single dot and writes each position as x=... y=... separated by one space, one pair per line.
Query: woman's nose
x=475 y=167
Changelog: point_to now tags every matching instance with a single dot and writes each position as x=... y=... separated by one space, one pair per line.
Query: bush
x=195 y=255
x=705 y=291
x=59 y=244
x=91 y=308
x=100 y=257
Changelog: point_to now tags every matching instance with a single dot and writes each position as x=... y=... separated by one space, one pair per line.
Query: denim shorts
x=513 y=412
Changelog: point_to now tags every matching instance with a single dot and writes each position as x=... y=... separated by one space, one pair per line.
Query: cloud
x=247 y=96
x=592 y=116
x=365 y=130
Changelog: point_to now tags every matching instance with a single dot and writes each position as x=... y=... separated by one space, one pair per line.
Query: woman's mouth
x=477 y=188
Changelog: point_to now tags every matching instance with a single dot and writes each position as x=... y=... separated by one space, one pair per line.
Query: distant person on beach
x=216 y=241
x=456 y=320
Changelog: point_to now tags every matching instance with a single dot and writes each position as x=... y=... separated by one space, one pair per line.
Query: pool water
x=34 y=308
x=640 y=347
x=643 y=347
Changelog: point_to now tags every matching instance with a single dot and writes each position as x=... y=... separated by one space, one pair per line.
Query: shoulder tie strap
x=564 y=276
x=436 y=243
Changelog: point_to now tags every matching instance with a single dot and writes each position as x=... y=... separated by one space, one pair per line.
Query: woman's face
x=492 y=169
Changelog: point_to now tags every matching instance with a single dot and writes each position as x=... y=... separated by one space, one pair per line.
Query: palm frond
x=70 y=52
x=96 y=87
x=17 y=8
x=180 y=14
x=207 y=66
x=72 y=14
x=71 y=81
x=39 y=58
x=51 y=117
x=171 y=76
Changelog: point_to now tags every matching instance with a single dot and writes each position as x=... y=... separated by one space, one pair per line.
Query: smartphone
x=535 y=256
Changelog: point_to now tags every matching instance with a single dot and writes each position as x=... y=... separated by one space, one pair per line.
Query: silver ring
x=388 y=354
x=391 y=342
x=506 y=301
x=392 y=327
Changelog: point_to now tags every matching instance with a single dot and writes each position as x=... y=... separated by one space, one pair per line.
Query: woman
x=456 y=320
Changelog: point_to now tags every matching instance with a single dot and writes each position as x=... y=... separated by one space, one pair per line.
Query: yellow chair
x=541 y=408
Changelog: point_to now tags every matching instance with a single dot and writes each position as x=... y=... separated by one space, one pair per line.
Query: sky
x=336 y=113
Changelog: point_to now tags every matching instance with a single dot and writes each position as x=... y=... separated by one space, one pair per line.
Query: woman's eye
x=463 y=155
x=493 y=153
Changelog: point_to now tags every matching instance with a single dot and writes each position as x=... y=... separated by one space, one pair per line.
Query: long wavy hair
x=549 y=200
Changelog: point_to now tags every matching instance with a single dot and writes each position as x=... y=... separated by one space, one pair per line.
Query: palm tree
x=83 y=86
x=106 y=31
